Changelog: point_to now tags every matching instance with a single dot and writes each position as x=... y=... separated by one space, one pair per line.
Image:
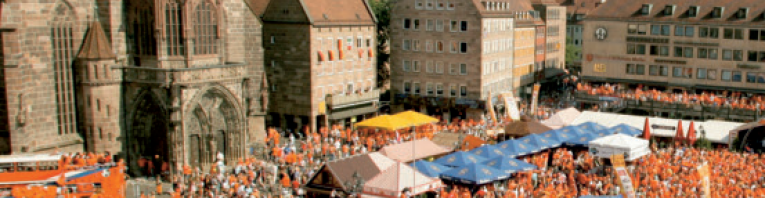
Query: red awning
x=331 y=55
x=361 y=53
x=371 y=53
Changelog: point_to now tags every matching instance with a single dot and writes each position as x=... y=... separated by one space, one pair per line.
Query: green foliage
x=571 y=50
x=382 y=10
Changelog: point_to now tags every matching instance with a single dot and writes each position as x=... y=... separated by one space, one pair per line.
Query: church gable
x=286 y=11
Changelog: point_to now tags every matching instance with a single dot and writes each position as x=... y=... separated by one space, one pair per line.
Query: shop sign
x=663 y=127
x=599 y=68
x=745 y=66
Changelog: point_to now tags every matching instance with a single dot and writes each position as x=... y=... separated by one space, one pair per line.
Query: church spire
x=96 y=46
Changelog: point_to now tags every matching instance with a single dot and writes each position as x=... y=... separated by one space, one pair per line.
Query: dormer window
x=742 y=12
x=718 y=12
x=646 y=9
x=693 y=11
x=669 y=10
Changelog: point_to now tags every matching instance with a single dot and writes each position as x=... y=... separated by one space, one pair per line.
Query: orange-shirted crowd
x=736 y=100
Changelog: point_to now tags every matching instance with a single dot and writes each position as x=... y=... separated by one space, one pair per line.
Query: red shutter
x=321 y=57
x=331 y=55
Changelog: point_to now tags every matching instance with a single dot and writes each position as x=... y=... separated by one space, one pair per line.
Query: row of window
x=435 y=25
x=701 y=52
x=497 y=25
x=341 y=67
x=701 y=73
x=434 y=89
x=497 y=66
x=415 y=45
x=434 y=4
x=437 y=67
x=690 y=31
x=359 y=86
x=497 y=46
x=330 y=43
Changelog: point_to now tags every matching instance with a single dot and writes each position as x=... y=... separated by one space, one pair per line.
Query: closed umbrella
x=691 y=136
x=646 y=130
x=679 y=133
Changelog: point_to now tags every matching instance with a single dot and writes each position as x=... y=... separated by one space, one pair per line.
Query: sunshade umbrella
x=515 y=148
x=646 y=130
x=626 y=129
x=474 y=174
x=539 y=142
x=558 y=135
x=386 y=122
x=590 y=126
x=679 y=133
x=488 y=151
x=459 y=158
x=429 y=168
x=509 y=164
x=583 y=140
x=415 y=118
x=691 y=136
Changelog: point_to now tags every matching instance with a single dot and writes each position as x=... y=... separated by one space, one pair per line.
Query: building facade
x=576 y=11
x=318 y=54
x=178 y=79
x=448 y=56
x=677 y=45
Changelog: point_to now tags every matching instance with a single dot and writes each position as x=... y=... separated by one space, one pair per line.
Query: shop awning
x=347 y=113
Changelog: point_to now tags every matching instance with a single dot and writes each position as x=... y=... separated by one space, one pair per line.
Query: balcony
x=346 y=100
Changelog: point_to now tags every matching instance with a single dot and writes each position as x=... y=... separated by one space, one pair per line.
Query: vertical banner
x=490 y=107
x=534 y=98
x=622 y=176
x=511 y=107
x=704 y=175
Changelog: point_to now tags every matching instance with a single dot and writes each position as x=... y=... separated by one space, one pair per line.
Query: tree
x=382 y=10
x=703 y=142
x=572 y=51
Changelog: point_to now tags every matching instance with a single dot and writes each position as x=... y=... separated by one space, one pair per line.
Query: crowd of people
x=736 y=100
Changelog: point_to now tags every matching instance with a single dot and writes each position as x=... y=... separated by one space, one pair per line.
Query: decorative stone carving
x=250 y=95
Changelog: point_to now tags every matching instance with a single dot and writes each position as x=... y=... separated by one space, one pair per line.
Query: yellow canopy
x=386 y=122
x=416 y=119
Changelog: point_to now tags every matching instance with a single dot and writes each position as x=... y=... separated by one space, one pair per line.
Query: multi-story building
x=320 y=52
x=552 y=39
x=447 y=56
x=677 y=44
x=576 y=11
x=138 y=78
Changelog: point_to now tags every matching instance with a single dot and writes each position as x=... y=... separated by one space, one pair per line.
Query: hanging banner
x=511 y=106
x=704 y=175
x=622 y=176
x=534 y=98
x=490 y=107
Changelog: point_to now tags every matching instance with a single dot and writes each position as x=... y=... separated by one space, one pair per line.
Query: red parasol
x=691 y=137
x=646 y=130
x=679 y=135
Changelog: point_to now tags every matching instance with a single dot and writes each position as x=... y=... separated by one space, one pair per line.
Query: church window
x=143 y=32
x=62 y=47
x=206 y=29
x=174 y=29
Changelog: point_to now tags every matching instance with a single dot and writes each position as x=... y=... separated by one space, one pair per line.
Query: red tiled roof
x=258 y=6
x=630 y=10
x=96 y=46
x=339 y=12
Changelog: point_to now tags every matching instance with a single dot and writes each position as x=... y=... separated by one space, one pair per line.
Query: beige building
x=447 y=56
x=677 y=44
x=318 y=52
x=138 y=78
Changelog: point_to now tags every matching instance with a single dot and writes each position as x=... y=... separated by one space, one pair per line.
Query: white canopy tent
x=392 y=181
x=632 y=147
x=716 y=131
x=562 y=118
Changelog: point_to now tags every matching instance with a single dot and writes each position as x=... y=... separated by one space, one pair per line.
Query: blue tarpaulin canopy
x=590 y=127
x=429 y=168
x=474 y=174
x=539 y=142
x=626 y=129
x=460 y=158
x=583 y=140
x=572 y=129
x=509 y=165
x=559 y=136
x=515 y=148
x=488 y=151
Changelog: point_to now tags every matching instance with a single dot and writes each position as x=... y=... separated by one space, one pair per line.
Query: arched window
x=144 y=41
x=61 y=34
x=174 y=29
x=206 y=29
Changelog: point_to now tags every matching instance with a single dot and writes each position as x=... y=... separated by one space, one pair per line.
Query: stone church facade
x=182 y=79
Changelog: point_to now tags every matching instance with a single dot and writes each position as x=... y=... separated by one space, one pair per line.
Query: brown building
x=138 y=78
x=447 y=56
x=317 y=52
x=677 y=44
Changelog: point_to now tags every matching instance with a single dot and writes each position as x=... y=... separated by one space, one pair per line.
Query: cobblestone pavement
x=146 y=185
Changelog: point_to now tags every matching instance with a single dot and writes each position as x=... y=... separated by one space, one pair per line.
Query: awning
x=321 y=57
x=342 y=114
x=331 y=55
x=361 y=53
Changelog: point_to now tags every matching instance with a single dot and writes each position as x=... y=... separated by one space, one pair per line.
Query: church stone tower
x=99 y=89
